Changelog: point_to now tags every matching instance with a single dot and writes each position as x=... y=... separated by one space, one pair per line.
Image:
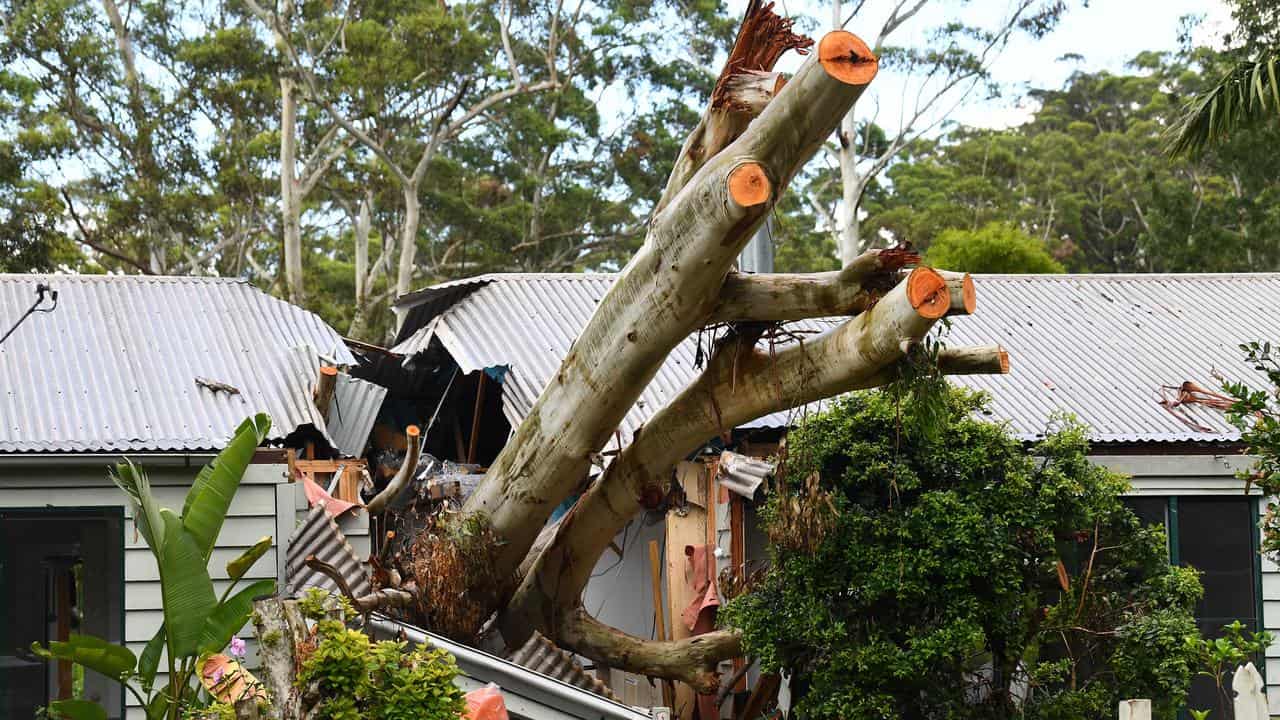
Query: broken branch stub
x=401 y=479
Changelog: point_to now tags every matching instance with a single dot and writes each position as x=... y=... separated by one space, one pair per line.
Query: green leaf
x=158 y=708
x=150 y=659
x=231 y=615
x=146 y=513
x=96 y=654
x=77 y=710
x=185 y=586
x=210 y=496
x=238 y=567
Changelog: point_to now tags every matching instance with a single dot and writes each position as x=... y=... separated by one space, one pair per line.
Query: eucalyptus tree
x=940 y=74
x=755 y=134
x=134 y=128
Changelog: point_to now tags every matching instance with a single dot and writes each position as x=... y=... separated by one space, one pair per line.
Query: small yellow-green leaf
x=238 y=567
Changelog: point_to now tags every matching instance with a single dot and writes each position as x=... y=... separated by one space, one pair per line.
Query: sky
x=1107 y=33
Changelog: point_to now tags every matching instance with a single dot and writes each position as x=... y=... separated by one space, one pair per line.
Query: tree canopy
x=942 y=570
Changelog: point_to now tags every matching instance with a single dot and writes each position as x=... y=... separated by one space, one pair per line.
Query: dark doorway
x=61 y=572
x=1217 y=536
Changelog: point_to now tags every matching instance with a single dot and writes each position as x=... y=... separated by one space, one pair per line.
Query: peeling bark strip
x=762 y=39
x=745 y=87
x=667 y=291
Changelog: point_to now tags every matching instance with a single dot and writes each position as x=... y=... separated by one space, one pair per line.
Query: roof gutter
x=513 y=678
x=196 y=459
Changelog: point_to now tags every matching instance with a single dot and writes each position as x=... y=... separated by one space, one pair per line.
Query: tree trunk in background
x=850 y=229
x=360 y=234
x=290 y=202
x=408 y=239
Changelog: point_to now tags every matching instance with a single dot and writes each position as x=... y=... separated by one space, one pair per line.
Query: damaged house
x=1138 y=364
x=160 y=370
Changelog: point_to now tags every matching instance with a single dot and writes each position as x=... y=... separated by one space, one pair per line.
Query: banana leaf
x=185 y=587
x=96 y=654
x=149 y=661
x=77 y=710
x=146 y=513
x=207 y=502
x=238 y=567
x=231 y=615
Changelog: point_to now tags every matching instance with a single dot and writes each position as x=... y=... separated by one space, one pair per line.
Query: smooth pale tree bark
x=669 y=288
x=741 y=383
x=681 y=280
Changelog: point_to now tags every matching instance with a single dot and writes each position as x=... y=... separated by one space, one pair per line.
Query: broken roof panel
x=113 y=368
x=528 y=321
x=1100 y=346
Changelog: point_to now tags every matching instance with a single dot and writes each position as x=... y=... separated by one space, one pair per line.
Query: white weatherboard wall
x=1184 y=475
x=264 y=505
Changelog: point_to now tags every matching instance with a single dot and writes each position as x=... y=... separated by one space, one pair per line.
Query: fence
x=1250 y=702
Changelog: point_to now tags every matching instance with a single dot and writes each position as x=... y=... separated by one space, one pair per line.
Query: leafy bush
x=357 y=679
x=995 y=248
x=957 y=575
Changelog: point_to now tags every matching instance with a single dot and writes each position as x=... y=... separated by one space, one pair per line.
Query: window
x=60 y=572
x=1217 y=536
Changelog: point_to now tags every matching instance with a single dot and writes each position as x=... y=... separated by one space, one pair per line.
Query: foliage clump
x=997 y=247
x=358 y=679
x=963 y=577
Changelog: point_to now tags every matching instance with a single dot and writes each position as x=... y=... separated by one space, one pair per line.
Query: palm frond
x=1244 y=97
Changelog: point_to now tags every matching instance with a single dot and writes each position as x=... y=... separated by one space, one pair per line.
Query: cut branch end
x=847 y=58
x=749 y=185
x=928 y=293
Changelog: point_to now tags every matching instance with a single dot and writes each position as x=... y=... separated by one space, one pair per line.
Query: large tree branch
x=745 y=86
x=741 y=383
x=667 y=290
x=782 y=297
x=691 y=660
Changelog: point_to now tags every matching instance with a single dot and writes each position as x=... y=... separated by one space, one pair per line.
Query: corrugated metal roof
x=352 y=414
x=1100 y=346
x=113 y=368
x=319 y=535
x=527 y=322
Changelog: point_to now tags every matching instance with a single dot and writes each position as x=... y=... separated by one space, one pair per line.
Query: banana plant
x=197 y=621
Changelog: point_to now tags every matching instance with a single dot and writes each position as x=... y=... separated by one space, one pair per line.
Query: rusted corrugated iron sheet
x=1099 y=346
x=543 y=656
x=113 y=368
x=319 y=535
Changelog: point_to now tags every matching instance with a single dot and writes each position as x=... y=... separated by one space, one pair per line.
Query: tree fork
x=739 y=384
x=667 y=290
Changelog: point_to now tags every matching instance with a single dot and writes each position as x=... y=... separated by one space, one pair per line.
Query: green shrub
x=361 y=680
x=954 y=574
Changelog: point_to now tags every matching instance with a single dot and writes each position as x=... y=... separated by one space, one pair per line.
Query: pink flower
x=216 y=676
x=237 y=647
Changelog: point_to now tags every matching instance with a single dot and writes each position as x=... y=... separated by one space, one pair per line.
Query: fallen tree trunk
x=757 y=133
x=741 y=383
x=670 y=287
